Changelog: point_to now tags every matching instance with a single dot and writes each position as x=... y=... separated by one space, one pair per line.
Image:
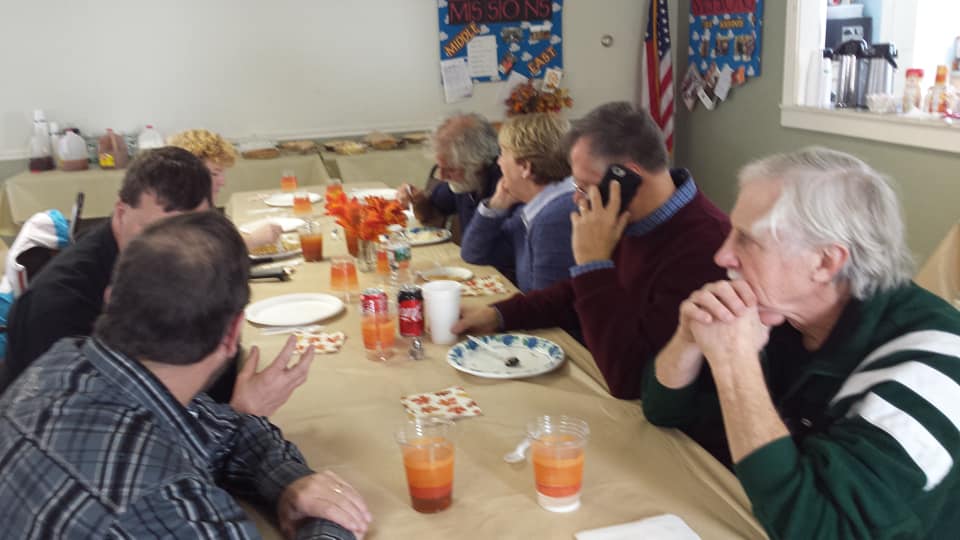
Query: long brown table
x=344 y=416
x=28 y=193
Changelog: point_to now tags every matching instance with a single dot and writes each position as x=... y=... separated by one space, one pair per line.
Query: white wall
x=283 y=68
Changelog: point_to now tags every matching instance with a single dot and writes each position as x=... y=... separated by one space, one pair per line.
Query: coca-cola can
x=373 y=301
x=410 y=304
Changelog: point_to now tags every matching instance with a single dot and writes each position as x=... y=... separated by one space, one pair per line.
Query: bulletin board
x=502 y=37
x=726 y=34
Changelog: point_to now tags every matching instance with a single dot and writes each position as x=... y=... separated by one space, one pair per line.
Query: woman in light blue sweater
x=528 y=217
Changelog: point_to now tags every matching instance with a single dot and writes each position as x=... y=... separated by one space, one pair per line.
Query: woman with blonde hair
x=218 y=155
x=527 y=220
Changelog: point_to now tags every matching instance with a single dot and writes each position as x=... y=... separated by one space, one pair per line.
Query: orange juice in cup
x=383 y=260
x=343 y=276
x=301 y=204
x=311 y=240
x=427 y=446
x=379 y=335
x=334 y=186
x=557 y=448
x=378 y=323
x=288 y=181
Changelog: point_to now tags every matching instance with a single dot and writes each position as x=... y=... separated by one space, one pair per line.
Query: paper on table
x=457 y=84
x=514 y=80
x=482 y=56
x=665 y=527
x=450 y=403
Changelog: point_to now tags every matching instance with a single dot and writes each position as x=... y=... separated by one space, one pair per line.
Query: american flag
x=657 y=72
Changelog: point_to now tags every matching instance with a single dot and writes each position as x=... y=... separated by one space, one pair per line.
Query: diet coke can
x=410 y=304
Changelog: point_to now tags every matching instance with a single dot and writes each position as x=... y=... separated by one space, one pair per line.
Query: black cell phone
x=629 y=183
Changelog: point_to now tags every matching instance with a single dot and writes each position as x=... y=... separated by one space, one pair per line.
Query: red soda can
x=373 y=301
x=410 y=305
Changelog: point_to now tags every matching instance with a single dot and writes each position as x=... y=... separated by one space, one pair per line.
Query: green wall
x=715 y=144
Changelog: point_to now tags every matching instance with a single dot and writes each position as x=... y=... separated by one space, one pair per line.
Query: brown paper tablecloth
x=392 y=167
x=28 y=193
x=344 y=416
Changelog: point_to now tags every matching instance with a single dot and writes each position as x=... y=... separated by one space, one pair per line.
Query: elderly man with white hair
x=843 y=422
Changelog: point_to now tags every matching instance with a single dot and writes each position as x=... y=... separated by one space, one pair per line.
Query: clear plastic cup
x=557 y=451
x=311 y=240
x=428 y=447
x=343 y=277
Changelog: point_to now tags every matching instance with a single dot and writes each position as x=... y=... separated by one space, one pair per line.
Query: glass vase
x=366 y=255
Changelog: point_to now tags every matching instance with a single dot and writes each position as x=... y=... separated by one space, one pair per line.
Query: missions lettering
x=721 y=7
x=460 y=40
x=541 y=60
x=484 y=11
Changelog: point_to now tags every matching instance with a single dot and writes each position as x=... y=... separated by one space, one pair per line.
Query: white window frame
x=889 y=128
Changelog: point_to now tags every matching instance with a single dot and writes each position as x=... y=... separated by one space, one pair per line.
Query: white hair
x=468 y=141
x=829 y=197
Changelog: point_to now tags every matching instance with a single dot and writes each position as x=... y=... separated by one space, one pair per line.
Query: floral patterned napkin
x=450 y=403
x=323 y=342
x=484 y=286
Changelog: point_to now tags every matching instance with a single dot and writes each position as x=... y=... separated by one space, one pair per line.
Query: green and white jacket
x=874 y=417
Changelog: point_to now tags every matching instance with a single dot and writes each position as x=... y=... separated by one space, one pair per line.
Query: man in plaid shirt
x=112 y=436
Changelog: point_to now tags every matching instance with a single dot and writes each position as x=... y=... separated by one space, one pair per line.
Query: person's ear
x=231 y=338
x=120 y=209
x=830 y=261
x=526 y=168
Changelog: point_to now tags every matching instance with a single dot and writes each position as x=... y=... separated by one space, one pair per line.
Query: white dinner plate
x=288 y=224
x=452 y=273
x=293 y=309
x=536 y=355
x=289 y=246
x=383 y=193
x=422 y=236
x=286 y=199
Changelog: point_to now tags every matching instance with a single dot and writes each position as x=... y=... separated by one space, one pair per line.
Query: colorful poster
x=725 y=34
x=499 y=38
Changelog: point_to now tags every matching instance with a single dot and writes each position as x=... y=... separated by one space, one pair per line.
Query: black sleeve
x=40 y=318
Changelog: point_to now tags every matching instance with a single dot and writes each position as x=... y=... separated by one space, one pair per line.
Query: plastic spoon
x=519 y=453
x=509 y=361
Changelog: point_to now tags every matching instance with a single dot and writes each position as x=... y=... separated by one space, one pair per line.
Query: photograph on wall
x=725 y=37
x=500 y=38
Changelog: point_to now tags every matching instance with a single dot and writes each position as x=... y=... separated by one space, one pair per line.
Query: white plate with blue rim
x=536 y=356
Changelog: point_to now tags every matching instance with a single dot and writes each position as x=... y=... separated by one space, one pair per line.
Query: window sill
x=889 y=128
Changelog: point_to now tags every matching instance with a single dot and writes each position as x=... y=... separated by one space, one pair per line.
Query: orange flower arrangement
x=526 y=99
x=365 y=219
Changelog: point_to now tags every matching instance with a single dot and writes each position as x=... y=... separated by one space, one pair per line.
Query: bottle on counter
x=912 y=91
x=55 y=133
x=41 y=155
x=112 y=151
x=149 y=138
x=73 y=152
x=820 y=79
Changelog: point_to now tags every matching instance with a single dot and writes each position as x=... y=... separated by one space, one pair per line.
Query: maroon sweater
x=628 y=313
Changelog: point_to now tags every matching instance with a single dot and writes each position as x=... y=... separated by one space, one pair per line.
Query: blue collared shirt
x=549 y=193
x=685 y=192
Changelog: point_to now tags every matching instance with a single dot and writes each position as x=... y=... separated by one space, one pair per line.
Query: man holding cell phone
x=643 y=239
